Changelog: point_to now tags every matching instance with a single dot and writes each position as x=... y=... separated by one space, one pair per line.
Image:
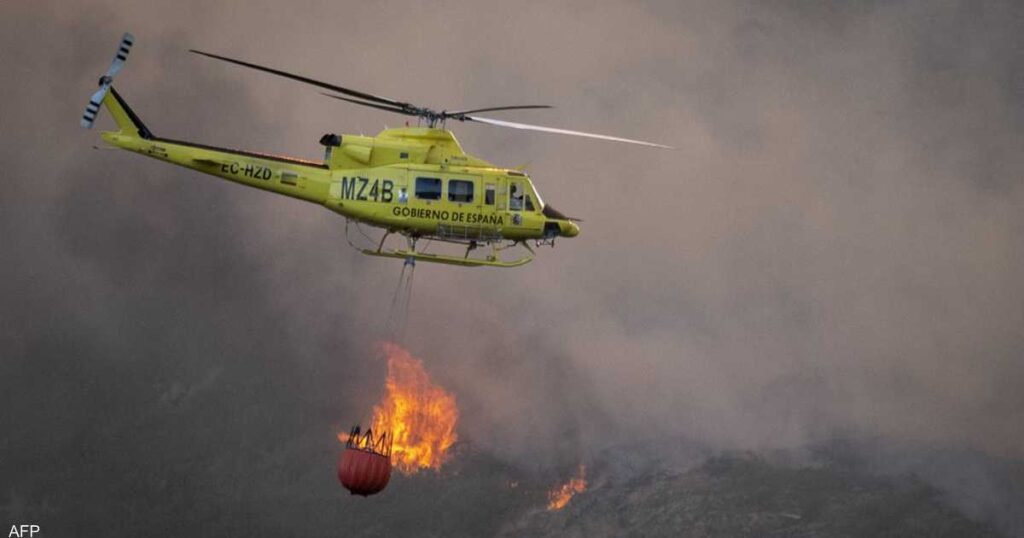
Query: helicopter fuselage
x=413 y=181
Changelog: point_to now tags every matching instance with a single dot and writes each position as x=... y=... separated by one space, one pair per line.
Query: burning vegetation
x=561 y=495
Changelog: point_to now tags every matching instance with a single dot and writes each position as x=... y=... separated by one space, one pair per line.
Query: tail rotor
x=93 y=108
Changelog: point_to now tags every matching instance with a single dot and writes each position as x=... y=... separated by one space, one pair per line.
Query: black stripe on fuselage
x=244 y=153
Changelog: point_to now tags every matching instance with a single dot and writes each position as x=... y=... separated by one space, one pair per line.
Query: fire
x=419 y=416
x=560 y=496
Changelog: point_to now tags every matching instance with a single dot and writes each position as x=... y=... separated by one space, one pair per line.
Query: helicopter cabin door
x=464 y=196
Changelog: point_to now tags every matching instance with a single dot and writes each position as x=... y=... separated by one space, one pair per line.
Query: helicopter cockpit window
x=460 y=191
x=428 y=188
x=529 y=203
x=515 y=196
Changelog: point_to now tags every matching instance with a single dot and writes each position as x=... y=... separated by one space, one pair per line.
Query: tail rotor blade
x=93 y=108
x=122 y=55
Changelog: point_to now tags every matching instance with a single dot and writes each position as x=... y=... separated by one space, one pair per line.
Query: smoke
x=833 y=251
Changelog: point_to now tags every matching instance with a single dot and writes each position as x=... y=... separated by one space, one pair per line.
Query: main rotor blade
x=529 y=127
x=491 y=109
x=300 y=78
x=396 y=110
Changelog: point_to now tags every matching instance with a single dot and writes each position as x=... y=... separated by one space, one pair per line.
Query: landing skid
x=411 y=255
x=490 y=261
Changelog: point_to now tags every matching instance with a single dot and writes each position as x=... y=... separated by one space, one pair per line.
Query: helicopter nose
x=568 y=229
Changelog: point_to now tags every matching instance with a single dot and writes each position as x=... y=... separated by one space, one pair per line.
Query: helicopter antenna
x=430 y=116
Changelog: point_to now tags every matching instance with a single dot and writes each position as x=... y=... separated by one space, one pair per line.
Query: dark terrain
x=293 y=491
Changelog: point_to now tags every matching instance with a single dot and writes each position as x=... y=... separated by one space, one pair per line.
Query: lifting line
x=398 y=314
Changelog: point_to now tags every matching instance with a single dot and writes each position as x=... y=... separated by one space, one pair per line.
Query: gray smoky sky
x=833 y=251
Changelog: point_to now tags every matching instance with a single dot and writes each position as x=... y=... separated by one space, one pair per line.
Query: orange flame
x=560 y=496
x=419 y=416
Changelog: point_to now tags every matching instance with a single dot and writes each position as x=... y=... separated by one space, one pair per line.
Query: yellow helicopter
x=412 y=181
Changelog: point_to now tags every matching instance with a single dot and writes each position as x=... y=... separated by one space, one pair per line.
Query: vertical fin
x=124 y=116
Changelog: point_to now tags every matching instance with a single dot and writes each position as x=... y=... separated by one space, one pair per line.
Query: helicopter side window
x=489 y=194
x=460 y=191
x=428 y=188
x=529 y=203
